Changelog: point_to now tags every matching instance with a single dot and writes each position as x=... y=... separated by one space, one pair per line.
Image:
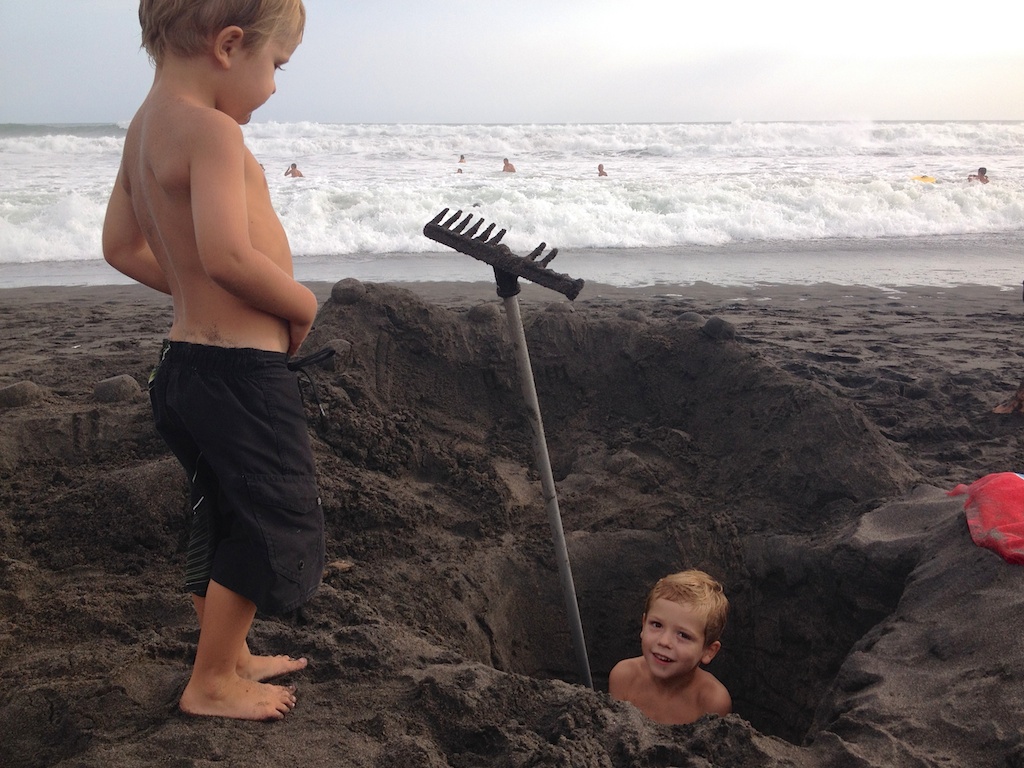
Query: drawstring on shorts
x=300 y=365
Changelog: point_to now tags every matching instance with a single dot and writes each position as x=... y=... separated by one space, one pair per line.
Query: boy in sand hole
x=683 y=621
x=190 y=215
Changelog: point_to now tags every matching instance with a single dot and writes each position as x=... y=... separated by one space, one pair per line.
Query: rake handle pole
x=547 y=481
x=461 y=234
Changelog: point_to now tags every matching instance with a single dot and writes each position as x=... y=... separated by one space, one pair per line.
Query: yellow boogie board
x=925 y=179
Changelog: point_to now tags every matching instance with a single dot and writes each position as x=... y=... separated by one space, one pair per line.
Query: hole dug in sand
x=670 y=450
x=798 y=606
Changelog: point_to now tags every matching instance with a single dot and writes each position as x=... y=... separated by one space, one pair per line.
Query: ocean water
x=727 y=203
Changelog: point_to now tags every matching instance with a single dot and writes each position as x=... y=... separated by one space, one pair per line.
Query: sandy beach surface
x=795 y=441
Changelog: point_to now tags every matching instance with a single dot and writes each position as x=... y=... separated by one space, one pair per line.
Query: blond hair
x=699 y=591
x=185 y=27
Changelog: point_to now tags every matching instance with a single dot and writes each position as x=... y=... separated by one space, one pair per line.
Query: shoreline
x=946 y=261
x=454 y=293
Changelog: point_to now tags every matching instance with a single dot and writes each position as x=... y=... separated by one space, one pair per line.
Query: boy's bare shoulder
x=623 y=676
x=199 y=123
x=713 y=696
x=182 y=123
x=171 y=136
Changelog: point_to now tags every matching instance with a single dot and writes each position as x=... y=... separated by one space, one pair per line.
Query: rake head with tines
x=464 y=239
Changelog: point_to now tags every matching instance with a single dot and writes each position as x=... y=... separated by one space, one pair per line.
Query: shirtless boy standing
x=190 y=215
x=682 y=626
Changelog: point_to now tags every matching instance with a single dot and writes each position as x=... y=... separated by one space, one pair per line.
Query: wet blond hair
x=185 y=27
x=696 y=590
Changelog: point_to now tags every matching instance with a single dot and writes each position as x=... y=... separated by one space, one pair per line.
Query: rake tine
x=532 y=255
x=547 y=259
x=486 y=233
x=439 y=216
x=472 y=230
x=452 y=220
x=464 y=224
x=497 y=238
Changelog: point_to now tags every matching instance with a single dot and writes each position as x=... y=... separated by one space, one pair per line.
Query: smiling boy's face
x=672 y=639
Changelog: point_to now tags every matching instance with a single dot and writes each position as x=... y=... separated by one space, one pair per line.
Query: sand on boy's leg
x=215 y=687
x=250 y=665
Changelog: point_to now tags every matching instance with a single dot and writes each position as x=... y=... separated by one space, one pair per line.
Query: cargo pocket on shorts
x=289 y=514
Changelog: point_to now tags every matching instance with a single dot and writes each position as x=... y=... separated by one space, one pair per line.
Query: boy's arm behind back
x=124 y=245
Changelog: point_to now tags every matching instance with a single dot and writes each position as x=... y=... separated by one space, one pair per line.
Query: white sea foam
x=369 y=189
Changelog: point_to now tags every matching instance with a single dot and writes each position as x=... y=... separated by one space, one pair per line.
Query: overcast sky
x=558 y=61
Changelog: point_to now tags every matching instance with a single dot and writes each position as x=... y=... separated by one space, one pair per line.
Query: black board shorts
x=234 y=419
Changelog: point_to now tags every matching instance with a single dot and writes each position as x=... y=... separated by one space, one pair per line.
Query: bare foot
x=259 y=668
x=239 y=699
x=1014 y=405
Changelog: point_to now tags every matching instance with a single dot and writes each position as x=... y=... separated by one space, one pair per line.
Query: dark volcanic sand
x=803 y=462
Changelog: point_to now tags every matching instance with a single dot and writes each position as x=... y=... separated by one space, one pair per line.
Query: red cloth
x=995 y=513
